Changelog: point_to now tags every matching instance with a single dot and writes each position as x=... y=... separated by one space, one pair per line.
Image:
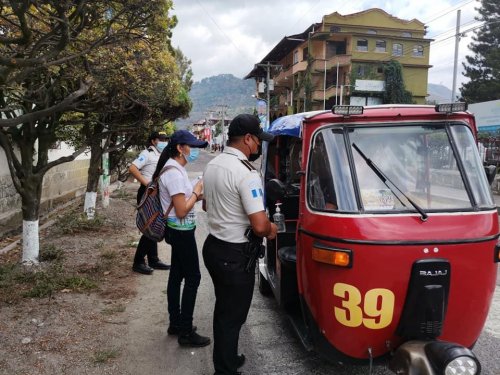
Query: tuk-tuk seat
x=288 y=255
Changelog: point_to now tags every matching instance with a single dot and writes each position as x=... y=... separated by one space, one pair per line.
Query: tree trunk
x=30 y=208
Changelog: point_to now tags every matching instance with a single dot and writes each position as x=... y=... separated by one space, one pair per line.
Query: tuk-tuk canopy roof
x=292 y=124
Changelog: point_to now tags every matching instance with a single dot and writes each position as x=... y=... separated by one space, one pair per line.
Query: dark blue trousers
x=185 y=266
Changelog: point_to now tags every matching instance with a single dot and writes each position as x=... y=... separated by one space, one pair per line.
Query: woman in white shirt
x=178 y=195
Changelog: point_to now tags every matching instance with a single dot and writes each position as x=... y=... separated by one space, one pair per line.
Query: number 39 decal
x=374 y=311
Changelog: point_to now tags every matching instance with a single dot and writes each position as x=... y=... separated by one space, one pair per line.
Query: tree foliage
x=72 y=68
x=395 y=91
x=81 y=71
x=483 y=68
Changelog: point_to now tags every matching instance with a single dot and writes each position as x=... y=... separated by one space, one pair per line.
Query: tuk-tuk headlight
x=461 y=365
x=452 y=359
x=451 y=107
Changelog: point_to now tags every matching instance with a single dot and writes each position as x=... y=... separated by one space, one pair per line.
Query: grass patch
x=50 y=253
x=35 y=282
x=77 y=222
x=113 y=309
x=104 y=356
x=109 y=255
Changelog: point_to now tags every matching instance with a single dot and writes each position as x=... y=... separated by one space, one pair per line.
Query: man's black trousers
x=233 y=296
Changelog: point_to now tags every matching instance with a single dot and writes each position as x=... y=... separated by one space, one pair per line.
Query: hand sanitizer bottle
x=279 y=219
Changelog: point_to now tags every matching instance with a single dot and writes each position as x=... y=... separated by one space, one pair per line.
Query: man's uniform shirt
x=232 y=192
x=146 y=162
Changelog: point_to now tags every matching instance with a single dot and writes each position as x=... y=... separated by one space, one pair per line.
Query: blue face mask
x=193 y=155
x=161 y=145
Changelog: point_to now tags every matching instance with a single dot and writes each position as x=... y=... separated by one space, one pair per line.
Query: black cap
x=248 y=124
x=183 y=137
x=162 y=136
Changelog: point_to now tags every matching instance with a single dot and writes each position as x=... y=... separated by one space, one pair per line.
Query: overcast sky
x=230 y=36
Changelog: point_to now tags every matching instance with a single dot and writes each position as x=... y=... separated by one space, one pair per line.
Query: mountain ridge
x=212 y=93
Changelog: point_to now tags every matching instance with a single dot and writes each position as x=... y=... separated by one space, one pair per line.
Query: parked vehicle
x=390 y=248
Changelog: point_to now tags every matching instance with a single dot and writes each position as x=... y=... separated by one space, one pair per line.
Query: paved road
x=267 y=339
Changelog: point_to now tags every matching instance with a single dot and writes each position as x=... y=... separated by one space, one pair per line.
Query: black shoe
x=240 y=360
x=193 y=339
x=142 y=268
x=176 y=330
x=159 y=265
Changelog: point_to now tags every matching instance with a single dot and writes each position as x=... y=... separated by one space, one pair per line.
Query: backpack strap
x=169 y=209
x=164 y=169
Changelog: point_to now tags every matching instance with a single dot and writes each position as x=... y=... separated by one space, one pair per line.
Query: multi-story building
x=343 y=60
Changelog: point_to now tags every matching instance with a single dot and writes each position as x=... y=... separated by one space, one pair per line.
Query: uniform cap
x=162 y=136
x=183 y=137
x=248 y=124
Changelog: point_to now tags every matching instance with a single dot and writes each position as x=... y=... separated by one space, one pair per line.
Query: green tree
x=483 y=68
x=395 y=91
x=49 y=83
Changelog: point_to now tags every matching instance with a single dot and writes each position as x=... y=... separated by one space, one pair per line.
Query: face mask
x=161 y=145
x=253 y=157
x=193 y=155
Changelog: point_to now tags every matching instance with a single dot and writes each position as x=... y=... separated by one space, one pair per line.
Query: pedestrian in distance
x=178 y=196
x=234 y=203
x=142 y=168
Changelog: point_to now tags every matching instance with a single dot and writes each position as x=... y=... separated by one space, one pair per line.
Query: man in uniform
x=233 y=199
x=142 y=169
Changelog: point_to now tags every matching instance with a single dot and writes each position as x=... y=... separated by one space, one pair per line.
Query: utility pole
x=268 y=67
x=455 y=62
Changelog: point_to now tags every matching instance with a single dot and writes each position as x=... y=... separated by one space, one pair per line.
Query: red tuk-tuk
x=390 y=248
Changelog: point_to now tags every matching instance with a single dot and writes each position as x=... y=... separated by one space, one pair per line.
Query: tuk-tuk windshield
x=397 y=168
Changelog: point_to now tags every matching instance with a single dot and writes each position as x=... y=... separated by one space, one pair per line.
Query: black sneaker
x=142 y=268
x=193 y=339
x=176 y=330
x=159 y=265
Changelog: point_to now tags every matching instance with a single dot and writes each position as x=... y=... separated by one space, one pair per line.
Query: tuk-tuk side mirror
x=275 y=190
x=491 y=171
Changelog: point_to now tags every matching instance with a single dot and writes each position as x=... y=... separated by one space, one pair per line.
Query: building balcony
x=317 y=95
x=331 y=63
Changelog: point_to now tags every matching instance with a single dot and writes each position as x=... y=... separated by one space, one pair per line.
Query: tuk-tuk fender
x=364 y=303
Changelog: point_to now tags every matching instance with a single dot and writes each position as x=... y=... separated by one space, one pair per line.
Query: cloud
x=222 y=36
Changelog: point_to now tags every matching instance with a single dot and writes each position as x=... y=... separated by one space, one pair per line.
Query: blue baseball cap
x=183 y=137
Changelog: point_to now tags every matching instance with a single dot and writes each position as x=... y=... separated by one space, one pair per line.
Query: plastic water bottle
x=279 y=219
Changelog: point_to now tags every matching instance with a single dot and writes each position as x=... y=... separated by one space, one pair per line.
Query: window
x=295 y=57
x=329 y=181
x=380 y=46
x=397 y=49
x=334 y=48
x=380 y=69
x=305 y=53
x=418 y=51
x=421 y=161
x=406 y=34
x=362 y=45
x=360 y=70
x=335 y=29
